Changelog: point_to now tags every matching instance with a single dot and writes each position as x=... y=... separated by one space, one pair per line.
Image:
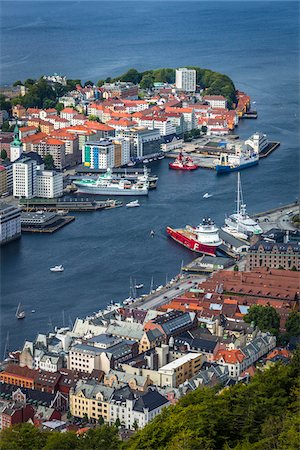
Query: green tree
x=49 y=162
x=71 y=84
x=118 y=422
x=94 y=118
x=104 y=437
x=4 y=104
x=3 y=154
x=7 y=127
x=132 y=75
x=236 y=268
x=29 y=82
x=89 y=83
x=59 y=107
x=265 y=317
x=22 y=437
x=100 y=420
x=100 y=83
x=292 y=324
x=135 y=425
x=18 y=83
x=146 y=82
x=85 y=417
x=62 y=441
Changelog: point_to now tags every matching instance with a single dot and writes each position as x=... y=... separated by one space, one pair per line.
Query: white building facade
x=186 y=79
x=49 y=184
x=10 y=223
x=99 y=154
x=24 y=178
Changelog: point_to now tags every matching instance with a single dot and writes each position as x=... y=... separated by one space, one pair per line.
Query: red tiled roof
x=230 y=356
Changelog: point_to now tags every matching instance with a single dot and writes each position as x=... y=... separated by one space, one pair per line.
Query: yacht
x=207 y=195
x=240 y=221
x=133 y=204
x=57 y=268
x=20 y=313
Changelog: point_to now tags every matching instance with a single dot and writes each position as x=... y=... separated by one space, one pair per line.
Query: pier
x=60 y=223
x=67 y=204
x=269 y=149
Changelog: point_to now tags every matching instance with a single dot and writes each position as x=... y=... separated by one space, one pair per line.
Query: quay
x=249 y=115
x=67 y=204
x=208 y=264
x=43 y=222
x=268 y=149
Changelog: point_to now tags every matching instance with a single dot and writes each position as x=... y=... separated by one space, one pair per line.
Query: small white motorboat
x=20 y=313
x=139 y=286
x=145 y=161
x=133 y=204
x=59 y=268
x=207 y=195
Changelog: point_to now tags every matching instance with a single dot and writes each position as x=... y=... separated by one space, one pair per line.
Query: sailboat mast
x=238 y=194
x=151 y=285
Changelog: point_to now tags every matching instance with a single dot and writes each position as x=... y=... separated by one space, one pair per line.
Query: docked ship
x=240 y=222
x=241 y=159
x=183 y=163
x=203 y=238
x=106 y=185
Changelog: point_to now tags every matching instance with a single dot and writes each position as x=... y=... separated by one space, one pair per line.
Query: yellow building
x=151 y=339
x=181 y=369
x=91 y=399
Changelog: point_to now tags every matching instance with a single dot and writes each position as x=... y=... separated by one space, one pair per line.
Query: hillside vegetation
x=214 y=83
x=261 y=415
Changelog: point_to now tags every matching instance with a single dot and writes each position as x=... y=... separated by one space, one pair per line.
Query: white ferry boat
x=106 y=185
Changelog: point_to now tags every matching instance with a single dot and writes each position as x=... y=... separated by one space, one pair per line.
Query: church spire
x=16 y=141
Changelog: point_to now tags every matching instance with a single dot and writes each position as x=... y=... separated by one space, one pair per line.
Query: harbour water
x=256 y=44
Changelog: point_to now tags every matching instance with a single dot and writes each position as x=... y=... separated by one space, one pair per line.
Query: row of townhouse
x=132 y=408
x=237 y=360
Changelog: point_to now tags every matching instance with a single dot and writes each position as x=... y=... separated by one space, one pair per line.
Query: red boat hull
x=175 y=167
x=191 y=243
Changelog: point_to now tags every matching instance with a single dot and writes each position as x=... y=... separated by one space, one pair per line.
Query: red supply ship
x=202 y=239
x=183 y=163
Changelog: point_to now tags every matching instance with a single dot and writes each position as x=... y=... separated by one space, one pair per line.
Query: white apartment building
x=130 y=408
x=49 y=184
x=10 y=223
x=86 y=358
x=122 y=151
x=24 y=178
x=186 y=79
x=143 y=141
x=163 y=124
x=99 y=154
x=216 y=101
